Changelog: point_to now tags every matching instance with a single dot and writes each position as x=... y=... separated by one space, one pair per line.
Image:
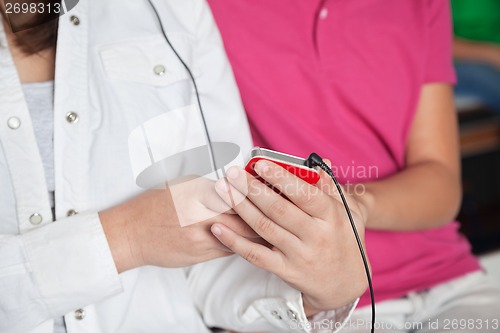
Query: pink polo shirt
x=342 y=78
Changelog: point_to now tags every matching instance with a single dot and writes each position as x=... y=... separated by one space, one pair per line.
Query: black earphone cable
x=315 y=160
x=210 y=147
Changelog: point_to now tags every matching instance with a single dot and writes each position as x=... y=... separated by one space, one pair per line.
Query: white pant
x=467 y=304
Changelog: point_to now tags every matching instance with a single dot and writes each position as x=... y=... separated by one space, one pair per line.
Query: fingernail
x=232 y=173
x=221 y=185
x=217 y=231
x=261 y=167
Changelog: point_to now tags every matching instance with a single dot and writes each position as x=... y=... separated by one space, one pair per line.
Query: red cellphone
x=293 y=164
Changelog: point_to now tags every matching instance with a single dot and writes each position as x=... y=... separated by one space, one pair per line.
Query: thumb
x=325 y=182
x=327 y=162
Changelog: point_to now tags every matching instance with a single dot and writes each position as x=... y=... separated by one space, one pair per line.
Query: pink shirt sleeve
x=438 y=56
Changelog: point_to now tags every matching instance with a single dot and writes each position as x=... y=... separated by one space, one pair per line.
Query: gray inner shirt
x=40 y=99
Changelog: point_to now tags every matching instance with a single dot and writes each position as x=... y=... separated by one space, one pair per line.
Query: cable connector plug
x=315 y=160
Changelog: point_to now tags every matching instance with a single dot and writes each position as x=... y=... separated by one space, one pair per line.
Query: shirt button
x=80 y=314
x=276 y=315
x=159 y=70
x=74 y=19
x=323 y=14
x=72 y=117
x=36 y=219
x=71 y=212
x=13 y=122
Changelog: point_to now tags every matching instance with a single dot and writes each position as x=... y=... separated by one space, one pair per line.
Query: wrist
x=313 y=306
x=365 y=200
x=122 y=241
x=309 y=310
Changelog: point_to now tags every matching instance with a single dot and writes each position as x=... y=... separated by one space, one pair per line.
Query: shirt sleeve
x=38 y=283
x=233 y=294
x=438 y=59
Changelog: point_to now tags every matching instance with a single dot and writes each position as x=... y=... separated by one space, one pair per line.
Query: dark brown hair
x=39 y=38
x=42 y=36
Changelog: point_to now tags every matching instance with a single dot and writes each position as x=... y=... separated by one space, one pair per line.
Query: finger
x=307 y=197
x=268 y=229
x=272 y=204
x=327 y=185
x=215 y=203
x=192 y=235
x=325 y=182
x=236 y=223
x=256 y=254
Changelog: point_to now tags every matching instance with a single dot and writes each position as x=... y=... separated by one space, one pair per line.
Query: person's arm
x=464 y=49
x=147 y=230
x=427 y=192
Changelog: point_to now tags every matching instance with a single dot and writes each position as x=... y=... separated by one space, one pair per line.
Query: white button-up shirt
x=115 y=74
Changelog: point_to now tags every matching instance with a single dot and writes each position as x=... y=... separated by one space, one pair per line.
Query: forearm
x=132 y=226
x=423 y=196
x=464 y=49
x=121 y=247
x=146 y=229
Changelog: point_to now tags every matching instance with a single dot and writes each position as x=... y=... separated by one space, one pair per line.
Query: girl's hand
x=312 y=245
